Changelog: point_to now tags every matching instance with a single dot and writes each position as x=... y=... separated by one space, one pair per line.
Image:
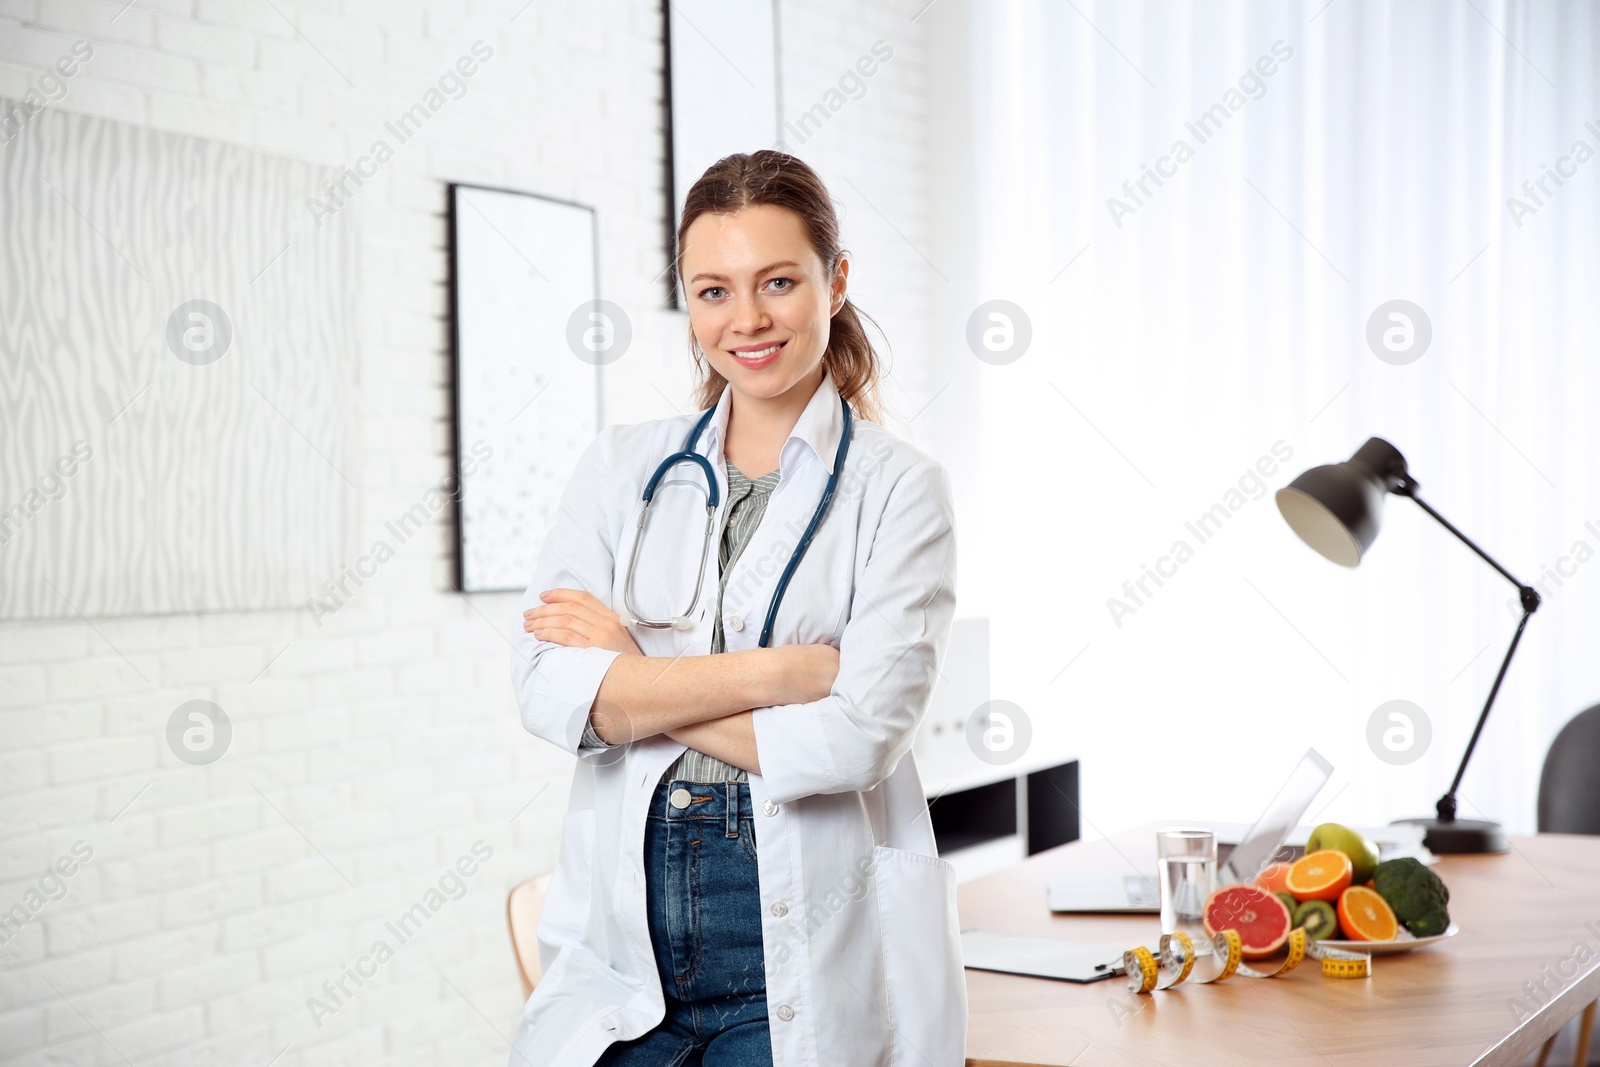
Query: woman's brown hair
x=781 y=180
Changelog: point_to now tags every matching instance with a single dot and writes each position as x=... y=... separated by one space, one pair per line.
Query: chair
x=1569 y=803
x=522 y=916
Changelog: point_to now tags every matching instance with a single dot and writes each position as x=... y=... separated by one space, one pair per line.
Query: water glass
x=1188 y=875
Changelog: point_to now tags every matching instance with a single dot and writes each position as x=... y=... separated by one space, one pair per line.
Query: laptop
x=1240 y=857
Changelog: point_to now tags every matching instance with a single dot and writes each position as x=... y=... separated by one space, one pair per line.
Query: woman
x=668 y=936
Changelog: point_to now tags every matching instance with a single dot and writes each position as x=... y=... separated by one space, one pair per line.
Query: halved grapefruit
x=1259 y=916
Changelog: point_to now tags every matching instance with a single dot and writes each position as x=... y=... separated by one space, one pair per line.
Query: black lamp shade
x=1337 y=508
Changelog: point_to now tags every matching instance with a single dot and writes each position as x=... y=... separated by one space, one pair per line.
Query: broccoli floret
x=1431 y=924
x=1417 y=895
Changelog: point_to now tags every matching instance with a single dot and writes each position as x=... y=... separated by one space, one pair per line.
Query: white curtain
x=1186 y=332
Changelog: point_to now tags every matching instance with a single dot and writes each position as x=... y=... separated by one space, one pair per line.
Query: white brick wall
x=376 y=749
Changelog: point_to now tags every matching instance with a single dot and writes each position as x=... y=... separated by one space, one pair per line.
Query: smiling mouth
x=758 y=353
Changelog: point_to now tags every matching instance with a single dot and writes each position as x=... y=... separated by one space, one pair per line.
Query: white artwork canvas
x=723 y=82
x=531 y=336
x=176 y=331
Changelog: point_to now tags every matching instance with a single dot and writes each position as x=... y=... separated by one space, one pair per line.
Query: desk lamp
x=1336 y=510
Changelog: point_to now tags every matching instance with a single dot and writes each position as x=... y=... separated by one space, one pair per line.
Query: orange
x=1320 y=875
x=1272 y=878
x=1366 y=916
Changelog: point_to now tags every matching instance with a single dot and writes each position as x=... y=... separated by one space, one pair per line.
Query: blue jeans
x=704 y=904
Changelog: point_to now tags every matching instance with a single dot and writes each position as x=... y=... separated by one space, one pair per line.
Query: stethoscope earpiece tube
x=811 y=528
x=714 y=495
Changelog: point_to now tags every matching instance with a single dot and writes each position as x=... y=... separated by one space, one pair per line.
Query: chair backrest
x=1569 y=799
x=522 y=916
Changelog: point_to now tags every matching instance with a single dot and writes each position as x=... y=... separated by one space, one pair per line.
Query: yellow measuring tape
x=1343 y=963
x=1175 y=960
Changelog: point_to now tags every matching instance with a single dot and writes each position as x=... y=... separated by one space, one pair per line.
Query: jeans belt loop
x=732 y=789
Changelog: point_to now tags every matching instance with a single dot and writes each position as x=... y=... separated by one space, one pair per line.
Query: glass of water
x=1188 y=861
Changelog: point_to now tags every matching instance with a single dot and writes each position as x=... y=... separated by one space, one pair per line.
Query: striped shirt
x=747 y=503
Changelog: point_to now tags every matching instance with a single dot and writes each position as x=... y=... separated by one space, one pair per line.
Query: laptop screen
x=1260 y=845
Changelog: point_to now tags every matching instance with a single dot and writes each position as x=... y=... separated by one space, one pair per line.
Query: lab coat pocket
x=925 y=988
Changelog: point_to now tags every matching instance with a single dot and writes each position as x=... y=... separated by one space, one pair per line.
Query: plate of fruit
x=1345 y=897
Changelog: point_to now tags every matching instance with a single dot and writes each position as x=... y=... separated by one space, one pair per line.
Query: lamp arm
x=1447 y=803
x=1530 y=603
x=1409 y=489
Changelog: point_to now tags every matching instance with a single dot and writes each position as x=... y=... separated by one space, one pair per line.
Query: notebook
x=1038 y=957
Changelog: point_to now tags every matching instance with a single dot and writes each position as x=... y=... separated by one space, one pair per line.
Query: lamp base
x=1460 y=837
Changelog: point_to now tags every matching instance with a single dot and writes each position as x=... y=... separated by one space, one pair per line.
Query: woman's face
x=760 y=298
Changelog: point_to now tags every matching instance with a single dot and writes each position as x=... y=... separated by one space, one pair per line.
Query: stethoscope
x=713 y=499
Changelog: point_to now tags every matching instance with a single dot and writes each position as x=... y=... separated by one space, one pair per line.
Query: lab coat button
x=780 y=909
x=680 y=798
x=735 y=623
x=785 y=1012
x=770 y=808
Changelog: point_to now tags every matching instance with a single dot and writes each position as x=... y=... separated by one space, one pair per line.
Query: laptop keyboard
x=1142 y=892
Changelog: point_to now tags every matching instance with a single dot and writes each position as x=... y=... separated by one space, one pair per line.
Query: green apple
x=1362 y=852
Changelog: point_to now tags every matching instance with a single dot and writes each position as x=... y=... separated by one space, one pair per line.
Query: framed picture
x=525 y=306
x=722 y=74
x=178 y=415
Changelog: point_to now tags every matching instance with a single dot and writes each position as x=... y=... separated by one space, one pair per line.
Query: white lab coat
x=862 y=945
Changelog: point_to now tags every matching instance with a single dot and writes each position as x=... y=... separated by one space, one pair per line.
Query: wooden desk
x=1447 y=1005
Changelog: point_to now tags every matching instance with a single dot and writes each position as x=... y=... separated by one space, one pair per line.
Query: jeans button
x=785 y=1012
x=780 y=909
x=680 y=798
x=770 y=808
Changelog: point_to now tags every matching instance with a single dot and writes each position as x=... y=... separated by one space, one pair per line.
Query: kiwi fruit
x=1318 y=919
